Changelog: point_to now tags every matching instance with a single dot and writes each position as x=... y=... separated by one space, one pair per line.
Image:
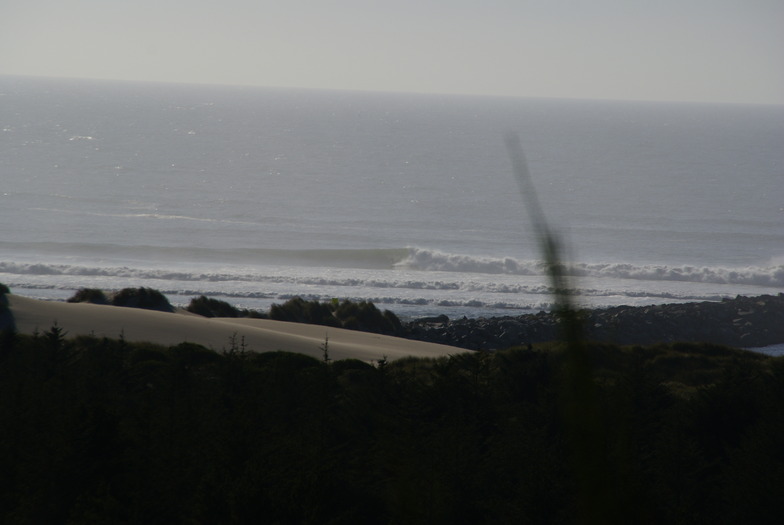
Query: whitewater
x=255 y=196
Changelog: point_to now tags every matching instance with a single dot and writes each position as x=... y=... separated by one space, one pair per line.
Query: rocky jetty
x=746 y=322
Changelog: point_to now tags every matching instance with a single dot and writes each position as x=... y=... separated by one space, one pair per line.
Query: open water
x=256 y=195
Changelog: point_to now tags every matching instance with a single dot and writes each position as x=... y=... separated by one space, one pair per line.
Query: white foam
x=432 y=260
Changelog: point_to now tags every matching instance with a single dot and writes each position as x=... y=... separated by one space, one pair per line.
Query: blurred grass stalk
x=579 y=403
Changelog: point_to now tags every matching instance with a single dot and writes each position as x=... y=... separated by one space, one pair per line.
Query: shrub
x=365 y=316
x=209 y=307
x=89 y=295
x=298 y=310
x=393 y=321
x=193 y=354
x=145 y=298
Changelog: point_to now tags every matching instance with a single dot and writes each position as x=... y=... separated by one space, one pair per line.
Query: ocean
x=257 y=195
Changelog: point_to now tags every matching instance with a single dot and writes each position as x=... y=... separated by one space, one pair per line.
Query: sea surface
x=255 y=196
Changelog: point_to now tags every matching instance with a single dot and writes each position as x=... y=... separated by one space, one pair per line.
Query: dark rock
x=439 y=319
x=743 y=321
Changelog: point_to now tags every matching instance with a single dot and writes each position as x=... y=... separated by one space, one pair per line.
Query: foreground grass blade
x=580 y=411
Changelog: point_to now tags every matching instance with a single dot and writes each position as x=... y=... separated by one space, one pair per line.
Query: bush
x=393 y=321
x=145 y=298
x=363 y=315
x=193 y=354
x=212 y=307
x=89 y=295
x=366 y=317
x=298 y=310
x=6 y=318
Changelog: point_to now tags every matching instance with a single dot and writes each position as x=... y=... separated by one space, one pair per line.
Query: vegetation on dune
x=362 y=315
x=146 y=298
x=210 y=307
x=89 y=295
x=114 y=431
x=298 y=310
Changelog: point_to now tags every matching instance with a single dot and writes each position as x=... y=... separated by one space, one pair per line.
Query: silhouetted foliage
x=114 y=431
x=298 y=310
x=89 y=295
x=146 y=298
x=366 y=317
x=7 y=324
x=363 y=315
x=209 y=307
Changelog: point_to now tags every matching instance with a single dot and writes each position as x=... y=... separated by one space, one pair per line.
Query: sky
x=674 y=50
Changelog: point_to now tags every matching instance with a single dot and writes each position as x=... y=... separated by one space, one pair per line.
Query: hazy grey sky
x=695 y=50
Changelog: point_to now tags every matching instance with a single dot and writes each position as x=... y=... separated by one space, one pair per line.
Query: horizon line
x=389 y=91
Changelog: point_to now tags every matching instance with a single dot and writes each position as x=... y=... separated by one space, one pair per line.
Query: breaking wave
x=415 y=259
x=415 y=280
x=430 y=260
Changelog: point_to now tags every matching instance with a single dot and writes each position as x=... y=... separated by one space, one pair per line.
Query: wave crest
x=432 y=260
x=421 y=260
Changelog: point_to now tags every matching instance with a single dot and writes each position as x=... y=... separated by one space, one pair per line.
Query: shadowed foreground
x=108 y=431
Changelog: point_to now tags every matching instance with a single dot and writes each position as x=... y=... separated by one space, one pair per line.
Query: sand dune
x=260 y=335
